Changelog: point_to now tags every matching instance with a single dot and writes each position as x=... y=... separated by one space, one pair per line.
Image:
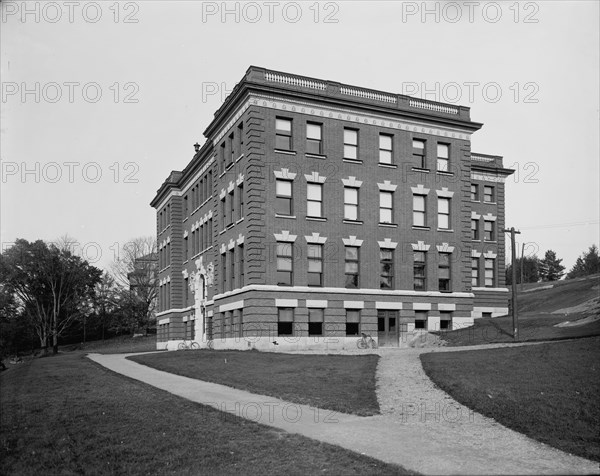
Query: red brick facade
x=305 y=233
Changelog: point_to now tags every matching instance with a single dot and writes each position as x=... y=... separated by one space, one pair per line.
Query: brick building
x=316 y=211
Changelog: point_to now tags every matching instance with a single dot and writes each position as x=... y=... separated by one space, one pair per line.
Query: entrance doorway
x=388 y=324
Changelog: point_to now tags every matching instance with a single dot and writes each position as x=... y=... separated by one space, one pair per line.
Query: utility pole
x=515 y=320
x=522 y=263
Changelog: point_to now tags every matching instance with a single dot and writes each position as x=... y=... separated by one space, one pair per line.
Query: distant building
x=316 y=211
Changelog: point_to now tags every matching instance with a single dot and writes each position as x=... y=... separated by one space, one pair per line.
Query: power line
x=561 y=225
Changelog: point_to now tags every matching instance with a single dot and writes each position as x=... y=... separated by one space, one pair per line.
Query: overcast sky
x=100 y=101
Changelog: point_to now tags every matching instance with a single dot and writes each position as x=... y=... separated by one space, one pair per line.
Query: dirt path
x=433 y=436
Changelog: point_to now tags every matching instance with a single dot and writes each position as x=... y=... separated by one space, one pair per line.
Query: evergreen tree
x=551 y=267
x=588 y=263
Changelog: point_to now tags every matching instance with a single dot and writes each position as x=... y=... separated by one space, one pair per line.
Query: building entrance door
x=387 y=328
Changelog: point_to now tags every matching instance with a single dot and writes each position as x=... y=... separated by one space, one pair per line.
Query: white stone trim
x=185 y=233
x=495 y=311
x=232 y=306
x=420 y=246
x=475 y=215
x=394 y=306
x=475 y=254
x=222 y=194
x=166 y=320
x=444 y=192
x=489 y=217
x=445 y=306
x=284 y=174
x=490 y=255
x=445 y=248
x=230 y=187
x=285 y=236
x=497 y=290
x=231 y=244
x=168 y=280
x=210 y=314
x=354 y=304
x=315 y=238
x=185 y=273
x=316 y=303
x=419 y=190
x=352 y=182
x=388 y=244
x=387 y=186
x=421 y=306
x=286 y=303
x=488 y=177
x=168 y=239
x=223 y=249
x=239 y=180
x=240 y=239
x=314 y=177
x=352 y=241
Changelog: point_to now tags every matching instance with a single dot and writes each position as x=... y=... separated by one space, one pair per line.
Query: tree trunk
x=54 y=343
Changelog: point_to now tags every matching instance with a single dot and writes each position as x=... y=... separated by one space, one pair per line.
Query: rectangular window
x=386 y=210
x=314 y=138
x=241 y=138
x=224 y=271
x=488 y=194
x=474 y=271
x=283 y=200
x=350 y=203
x=283 y=134
x=352 y=322
x=315 y=322
x=186 y=291
x=231 y=207
x=420 y=319
x=490 y=272
x=474 y=192
x=285 y=322
x=419 y=270
x=443 y=213
x=385 y=149
x=419 y=153
x=352 y=265
x=284 y=264
x=231 y=150
x=445 y=320
x=314 y=196
x=386 y=264
x=242 y=264
x=443 y=157
x=419 y=216
x=444 y=272
x=240 y=201
x=186 y=209
x=315 y=265
x=194 y=242
x=209 y=185
x=224 y=212
x=474 y=229
x=223 y=157
x=232 y=268
x=186 y=249
x=488 y=230
x=351 y=144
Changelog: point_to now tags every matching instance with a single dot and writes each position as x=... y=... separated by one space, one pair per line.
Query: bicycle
x=366 y=341
x=193 y=345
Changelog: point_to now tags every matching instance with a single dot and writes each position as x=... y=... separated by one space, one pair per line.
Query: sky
x=101 y=100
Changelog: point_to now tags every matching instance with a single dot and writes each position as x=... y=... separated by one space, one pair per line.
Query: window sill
x=229 y=166
x=420 y=169
x=490 y=241
x=389 y=225
x=286 y=152
x=239 y=158
x=475 y=201
x=229 y=226
x=353 y=161
x=442 y=172
x=315 y=156
x=240 y=220
x=475 y=240
x=490 y=203
x=424 y=228
x=285 y=216
x=354 y=222
x=185 y=219
x=388 y=166
x=222 y=231
x=316 y=219
x=445 y=230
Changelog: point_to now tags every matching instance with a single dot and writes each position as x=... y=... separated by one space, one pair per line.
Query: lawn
x=66 y=415
x=532 y=327
x=341 y=383
x=546 y=391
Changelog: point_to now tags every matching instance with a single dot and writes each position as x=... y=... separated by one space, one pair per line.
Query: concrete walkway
x=421 y=428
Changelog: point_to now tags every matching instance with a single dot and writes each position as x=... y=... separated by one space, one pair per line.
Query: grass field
x=66 y=415
x=336 y=382
x=546 y=391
